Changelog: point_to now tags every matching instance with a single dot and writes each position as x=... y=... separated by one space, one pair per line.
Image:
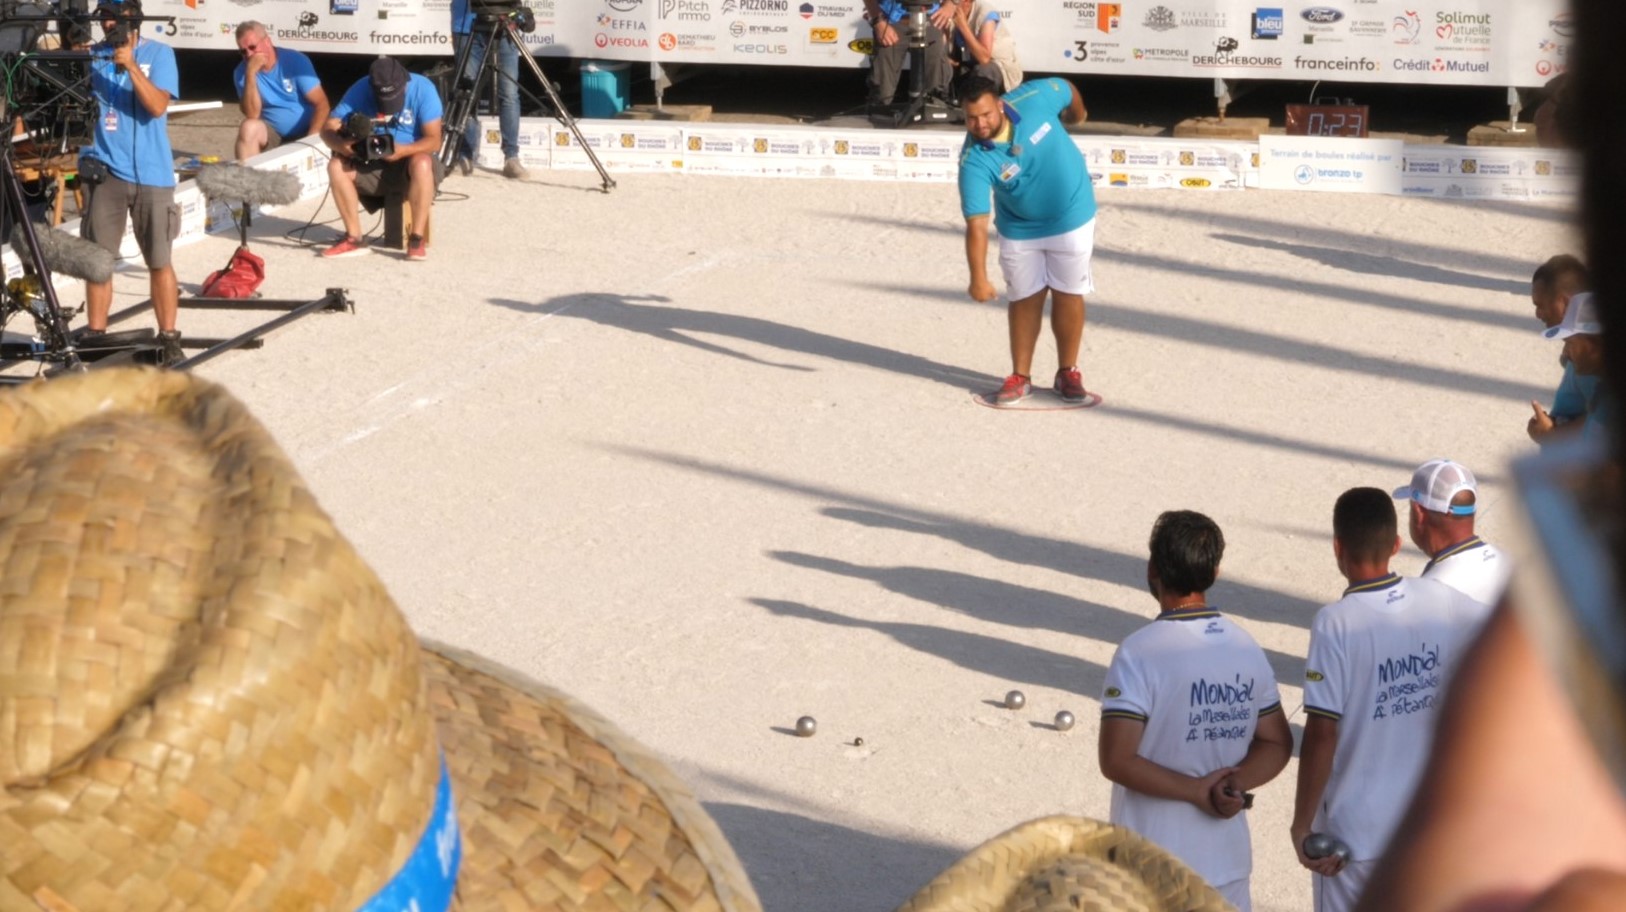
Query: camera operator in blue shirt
x=506 y=59
x=129 y=169
x=886 y=18
x=385 y=137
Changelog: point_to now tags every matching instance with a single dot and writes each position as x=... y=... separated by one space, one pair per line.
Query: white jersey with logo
x=1200 y=683
x=1379 y=661
x=1473 y=568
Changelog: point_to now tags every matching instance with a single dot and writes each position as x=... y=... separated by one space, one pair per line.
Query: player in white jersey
x=1379 y=661
x=1443 y=496
x=1190 y=719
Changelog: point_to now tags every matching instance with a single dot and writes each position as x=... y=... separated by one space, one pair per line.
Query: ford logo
x=1321 y=15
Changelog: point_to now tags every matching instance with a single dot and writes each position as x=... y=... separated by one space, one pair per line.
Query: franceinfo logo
x=1338 y=65
x=685 y=10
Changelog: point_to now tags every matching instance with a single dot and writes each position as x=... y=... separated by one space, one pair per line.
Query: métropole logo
x=1339 y=65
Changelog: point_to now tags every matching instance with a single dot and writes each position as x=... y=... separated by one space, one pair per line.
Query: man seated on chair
x=278 y=90
x=405 y=107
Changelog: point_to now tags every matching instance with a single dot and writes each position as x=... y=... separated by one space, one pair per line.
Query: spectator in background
x=1583 y=349
x=278 y=91
x=506 y=72
x=1380 y=659
x=1443 y=499
x=1183 y=783
x=887 y=19
x=1551 y=288
x=984 y=45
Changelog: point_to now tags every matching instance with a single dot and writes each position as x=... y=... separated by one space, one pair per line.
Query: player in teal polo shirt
x=1017 y=152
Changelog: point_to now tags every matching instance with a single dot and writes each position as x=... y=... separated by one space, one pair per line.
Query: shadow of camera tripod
x=504 y=25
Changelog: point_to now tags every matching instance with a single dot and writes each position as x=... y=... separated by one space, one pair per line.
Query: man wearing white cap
x=1582 y=333
x=1444 y=498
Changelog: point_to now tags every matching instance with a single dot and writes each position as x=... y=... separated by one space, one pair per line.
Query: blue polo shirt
x=462 y=17
x=282 y=91
x=422 y=107
x=894 y=10
x=131 y=142
x=1037 y=180
x=1574 y=393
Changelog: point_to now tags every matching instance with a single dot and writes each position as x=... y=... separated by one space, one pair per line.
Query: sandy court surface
x=702 y=452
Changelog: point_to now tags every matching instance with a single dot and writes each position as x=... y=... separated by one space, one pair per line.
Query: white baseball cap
x=1580 y=319
x=1437 y=481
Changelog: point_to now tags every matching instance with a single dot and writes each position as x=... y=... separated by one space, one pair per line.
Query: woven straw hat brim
x=1067 y=864
x=209 y=701
x=561 y=810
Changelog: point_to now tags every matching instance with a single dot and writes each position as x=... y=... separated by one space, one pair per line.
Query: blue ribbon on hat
x=429 y=877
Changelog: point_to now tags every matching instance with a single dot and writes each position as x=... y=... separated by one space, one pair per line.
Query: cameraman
x=128 y=169
x=886 y=18
x=464 y=31
x=405 y=108
x=278 y=91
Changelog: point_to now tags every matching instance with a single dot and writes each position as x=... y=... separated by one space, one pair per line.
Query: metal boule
x=858 y=742
x=1015 y=700
x=806 y=727
x=1064 y=721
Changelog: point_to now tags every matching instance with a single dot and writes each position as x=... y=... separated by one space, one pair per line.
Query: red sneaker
x=347 y=246
x=416 y=248
x=1070 y=384
x=1016 y=389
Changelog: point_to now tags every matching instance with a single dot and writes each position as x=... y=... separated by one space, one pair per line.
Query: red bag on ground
x=241 y=277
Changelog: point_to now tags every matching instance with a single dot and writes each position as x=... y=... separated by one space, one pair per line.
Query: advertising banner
x=1322 y=164
x=1446 y=42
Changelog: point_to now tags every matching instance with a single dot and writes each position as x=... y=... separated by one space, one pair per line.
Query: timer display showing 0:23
x=1327 y=120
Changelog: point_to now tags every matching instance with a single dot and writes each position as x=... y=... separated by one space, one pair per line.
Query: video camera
x=372 y=139
x=491 y=10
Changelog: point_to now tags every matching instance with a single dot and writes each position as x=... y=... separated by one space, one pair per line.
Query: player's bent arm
x=976 y=246
x=1075 y=113
x=1122 y=764
x=319 y=109
x=1268 y=753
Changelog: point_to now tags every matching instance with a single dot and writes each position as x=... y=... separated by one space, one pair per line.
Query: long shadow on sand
x=651 y=316
x=799 y=864
x=1378 y=265
x=1071 y=558
x=989 y=655
x=1000 y=602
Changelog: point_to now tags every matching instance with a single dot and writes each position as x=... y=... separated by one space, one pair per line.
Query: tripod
x=920 y=107
x=500 y=26
x=34 y=292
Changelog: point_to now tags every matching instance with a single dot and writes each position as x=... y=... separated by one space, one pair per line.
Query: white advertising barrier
x=1478 y=172
x=1328 y=165
x=1449 y=42
x=1168 y=163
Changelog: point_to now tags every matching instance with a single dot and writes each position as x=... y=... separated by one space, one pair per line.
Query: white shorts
x=1060 y=262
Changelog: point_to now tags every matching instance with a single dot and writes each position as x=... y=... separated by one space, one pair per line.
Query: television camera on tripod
x=46 y=55
x=926 y=104
x=502 y=20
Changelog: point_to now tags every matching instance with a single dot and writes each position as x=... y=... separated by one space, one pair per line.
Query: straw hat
x=207 y=699
x=1067 y=864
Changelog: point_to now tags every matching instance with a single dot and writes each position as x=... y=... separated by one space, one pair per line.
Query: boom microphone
x=251 y=185
x=66 y=254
